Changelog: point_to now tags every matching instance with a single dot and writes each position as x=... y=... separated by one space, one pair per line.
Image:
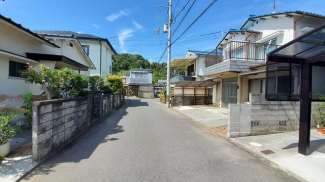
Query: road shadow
x=315 y=145
x=137 y=103
x=83 y=147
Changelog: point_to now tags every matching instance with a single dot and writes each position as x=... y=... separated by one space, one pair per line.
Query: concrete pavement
x=144 y=141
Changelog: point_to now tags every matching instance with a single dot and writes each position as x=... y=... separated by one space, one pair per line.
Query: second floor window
x=270 y=45
x=86 y=49
x=15 y=68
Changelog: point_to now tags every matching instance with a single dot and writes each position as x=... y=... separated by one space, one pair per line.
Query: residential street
x=144 y=141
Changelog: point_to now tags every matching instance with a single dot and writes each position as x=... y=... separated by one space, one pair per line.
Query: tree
x=114 y=82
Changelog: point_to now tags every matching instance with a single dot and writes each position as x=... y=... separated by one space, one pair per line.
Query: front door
x=229 y=91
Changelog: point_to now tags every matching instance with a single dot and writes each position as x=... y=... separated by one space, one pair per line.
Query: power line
x=181 y=10
x=206 y=9
x=184 y=17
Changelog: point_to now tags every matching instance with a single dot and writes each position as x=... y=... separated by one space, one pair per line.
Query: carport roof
x=179 y=62
x=195 y=84
x=306 y=46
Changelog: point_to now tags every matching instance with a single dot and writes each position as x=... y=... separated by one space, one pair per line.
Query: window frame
x=86 y=51
x=18 y=65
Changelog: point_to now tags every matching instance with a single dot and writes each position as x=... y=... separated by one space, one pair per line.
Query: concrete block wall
x=262 y=117
x=58 y=122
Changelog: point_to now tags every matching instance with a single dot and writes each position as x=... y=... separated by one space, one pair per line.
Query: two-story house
x=99 y=49
x=242 y=70
x=21 y=48
x=190 y=68
x=138 y=82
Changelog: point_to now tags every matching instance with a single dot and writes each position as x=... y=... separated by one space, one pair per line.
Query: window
x=110 y=70
x=86 y=49
x=270 y=45
x=15 y=68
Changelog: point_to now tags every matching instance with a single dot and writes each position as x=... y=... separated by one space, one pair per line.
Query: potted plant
x=1 y=159
x=7 y=131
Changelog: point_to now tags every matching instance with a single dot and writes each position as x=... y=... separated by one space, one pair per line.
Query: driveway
x=144 y=141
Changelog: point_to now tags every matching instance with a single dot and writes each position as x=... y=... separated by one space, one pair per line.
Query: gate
x=229 y=91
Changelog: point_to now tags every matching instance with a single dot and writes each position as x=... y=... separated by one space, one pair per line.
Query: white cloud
x=79 y=32
x=123 y=35
x=118 y=14
x=96 y=26
x=137 y=25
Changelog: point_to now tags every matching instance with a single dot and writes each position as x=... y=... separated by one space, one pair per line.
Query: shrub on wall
x=63 y=83
x=28 y=107
x=96 y=83
x=114 y=83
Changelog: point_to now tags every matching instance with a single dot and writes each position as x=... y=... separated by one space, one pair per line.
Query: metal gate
x=229 y=91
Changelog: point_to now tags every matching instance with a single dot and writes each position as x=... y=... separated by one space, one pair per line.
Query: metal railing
x=247 y=50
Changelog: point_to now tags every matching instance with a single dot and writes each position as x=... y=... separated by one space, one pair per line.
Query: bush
x=28 y=107
x=319 y=113
x=63 y=83
x=114 y=83
x=96 y=83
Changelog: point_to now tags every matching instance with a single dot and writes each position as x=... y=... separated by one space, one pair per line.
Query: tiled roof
x=60 y=33
x=27 y=30
x=286 y=12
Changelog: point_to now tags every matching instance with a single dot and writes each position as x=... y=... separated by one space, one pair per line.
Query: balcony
x=238 y=57
x=139 y=81
x=247 y=50
x=179 y=78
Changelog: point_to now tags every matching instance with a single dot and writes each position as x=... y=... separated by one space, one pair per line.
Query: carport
x=295 y=72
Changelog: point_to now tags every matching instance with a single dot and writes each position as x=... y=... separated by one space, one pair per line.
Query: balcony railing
x=139 y=81
x=179 y=78
x=247 y=50
x=213 y=57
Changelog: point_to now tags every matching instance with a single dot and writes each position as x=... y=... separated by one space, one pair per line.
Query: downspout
x=100 y=59
x=295 y=26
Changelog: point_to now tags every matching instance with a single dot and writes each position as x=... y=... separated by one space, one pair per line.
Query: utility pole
x=169 y=52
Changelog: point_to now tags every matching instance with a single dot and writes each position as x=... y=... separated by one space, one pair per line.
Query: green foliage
x=28 y=107
x=127 y=61
x=7 y=115
x=7 y=131
x=114 y=83
x=2 y=157
x=61 y=83
x=319 y=113
x=96 y=83
x=124 y=62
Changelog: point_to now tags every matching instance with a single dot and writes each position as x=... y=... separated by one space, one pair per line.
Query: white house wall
x=200 y=66
x=15 y=41
x=102 y=61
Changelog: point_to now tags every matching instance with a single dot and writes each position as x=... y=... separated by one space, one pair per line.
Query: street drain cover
x=267 y=152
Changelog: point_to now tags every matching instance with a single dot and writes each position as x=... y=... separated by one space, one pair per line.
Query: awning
x=195 y=84
x=181 y=62
x=63 y=60
x=306 y=46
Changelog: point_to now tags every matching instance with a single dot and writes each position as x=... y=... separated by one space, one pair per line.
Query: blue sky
x=130 y=24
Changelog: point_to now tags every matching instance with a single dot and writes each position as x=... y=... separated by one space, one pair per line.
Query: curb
x=263 y=159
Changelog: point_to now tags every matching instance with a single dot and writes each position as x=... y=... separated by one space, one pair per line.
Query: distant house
x=21 y=48
x=99 y=49
x=193 y=65
x=138 y=82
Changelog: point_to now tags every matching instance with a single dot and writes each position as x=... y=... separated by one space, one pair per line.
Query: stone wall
x=262 y=117
x=58 y=122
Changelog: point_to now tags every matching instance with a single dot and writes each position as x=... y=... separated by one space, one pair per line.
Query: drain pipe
x=295 y=26
x=100 y=59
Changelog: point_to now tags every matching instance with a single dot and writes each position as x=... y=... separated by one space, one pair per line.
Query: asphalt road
x=144 y=141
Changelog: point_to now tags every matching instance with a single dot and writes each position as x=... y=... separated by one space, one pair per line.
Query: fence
x=247 y=50
x=58 y=122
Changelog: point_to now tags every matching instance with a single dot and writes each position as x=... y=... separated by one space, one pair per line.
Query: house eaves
x=27 y=31
x=286 y=13
x=232 y=31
